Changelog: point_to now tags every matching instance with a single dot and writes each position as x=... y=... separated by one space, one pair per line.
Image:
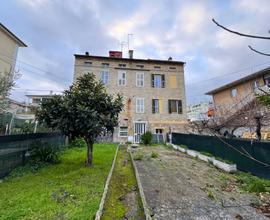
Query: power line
x=30 y=65
x=228 y=74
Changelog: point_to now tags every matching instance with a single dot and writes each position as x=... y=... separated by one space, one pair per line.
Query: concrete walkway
x=179 y=187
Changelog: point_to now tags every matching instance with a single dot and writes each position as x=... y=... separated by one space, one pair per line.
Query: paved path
x=179 y=187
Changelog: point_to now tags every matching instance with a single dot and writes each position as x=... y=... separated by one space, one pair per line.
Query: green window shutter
x=163 y=81
x=153 y=80
x=169 y=106
x=153 y=106
x=180 y=109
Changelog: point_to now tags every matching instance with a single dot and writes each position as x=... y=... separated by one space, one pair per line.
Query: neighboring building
x=153 y=91
x=236 y=109
x=232 y=96
x=198 y=112
x=9 y=44
x=35 y=99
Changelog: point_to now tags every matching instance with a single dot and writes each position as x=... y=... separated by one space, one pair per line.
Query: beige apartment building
x=153 y=91
x=9 y=44
x=234 y=95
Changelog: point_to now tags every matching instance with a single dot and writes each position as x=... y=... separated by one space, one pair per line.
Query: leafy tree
x=84 y=110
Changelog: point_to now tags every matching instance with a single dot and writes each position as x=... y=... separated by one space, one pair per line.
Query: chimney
x=86 y=53
x=116 y=54
x=170 y=58
x=130 y=54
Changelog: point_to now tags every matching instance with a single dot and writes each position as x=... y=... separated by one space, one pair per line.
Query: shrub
x=44 y=152
x=138 y=157
x=78 y=142
x=146 y=138
x=154 y=155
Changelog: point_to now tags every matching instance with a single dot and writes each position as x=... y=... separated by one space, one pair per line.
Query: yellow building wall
x=8 y=53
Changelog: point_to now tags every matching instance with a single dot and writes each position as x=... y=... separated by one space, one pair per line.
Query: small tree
x=85 y=110
x=6 y=84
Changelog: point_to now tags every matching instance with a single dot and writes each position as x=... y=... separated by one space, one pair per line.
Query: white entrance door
x=138 y=131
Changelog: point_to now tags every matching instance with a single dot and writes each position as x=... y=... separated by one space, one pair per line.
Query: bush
x=43 y=152
x=154 y=155
x=138 y=157
x=78 y=142
x=146 y=138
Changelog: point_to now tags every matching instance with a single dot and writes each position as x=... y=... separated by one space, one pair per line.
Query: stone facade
x=174 y=89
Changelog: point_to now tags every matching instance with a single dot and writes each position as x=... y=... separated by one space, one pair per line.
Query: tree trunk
x=89 y=156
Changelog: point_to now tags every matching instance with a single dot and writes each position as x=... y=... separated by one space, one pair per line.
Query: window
x=157 y=67
x=87 y=63
x=234 y=92
x=159 y=130
x=140 y=66
x=140 y=79
x=106 y=65
x=123 y=131
x=105 y=77
x=267 y=80
x=121 y=78
x=122 y=65
x=255 y=85
x=175 y=106
x=139 y=105
x=155 y=106
x=158 y=81
x=172 y=68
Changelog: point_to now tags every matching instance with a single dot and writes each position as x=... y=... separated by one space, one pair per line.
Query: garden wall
x=14 y=148
x=215 y=146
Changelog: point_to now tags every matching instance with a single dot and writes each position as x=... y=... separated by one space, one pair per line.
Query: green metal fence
x=14 y=148
x=211 y=144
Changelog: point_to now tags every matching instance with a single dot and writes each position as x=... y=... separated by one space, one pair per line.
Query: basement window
x=123 y=131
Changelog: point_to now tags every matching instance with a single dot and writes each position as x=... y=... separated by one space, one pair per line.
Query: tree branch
x=240 y=34
x=265 y=54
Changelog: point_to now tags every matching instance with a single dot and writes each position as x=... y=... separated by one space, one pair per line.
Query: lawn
x=67 y=190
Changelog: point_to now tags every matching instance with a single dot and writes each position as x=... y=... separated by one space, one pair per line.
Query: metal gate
x=139 y=129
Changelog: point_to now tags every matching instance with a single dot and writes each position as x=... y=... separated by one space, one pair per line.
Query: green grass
x=67 y=190
x=252 y=183
x=123 y=182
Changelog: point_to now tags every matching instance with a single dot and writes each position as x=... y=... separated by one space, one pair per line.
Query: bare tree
x=245 y=35
x=7 y=82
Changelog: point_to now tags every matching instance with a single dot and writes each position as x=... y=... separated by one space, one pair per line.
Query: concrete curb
x=145 y=206
x=105 y=191
x=229 y=168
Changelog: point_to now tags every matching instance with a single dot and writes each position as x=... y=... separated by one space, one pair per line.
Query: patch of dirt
x=177 y=186
x=123 y=199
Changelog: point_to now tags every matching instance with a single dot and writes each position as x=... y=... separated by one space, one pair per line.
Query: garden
x=66 y=189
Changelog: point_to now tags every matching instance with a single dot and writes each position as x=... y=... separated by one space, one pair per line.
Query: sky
x=54 y=30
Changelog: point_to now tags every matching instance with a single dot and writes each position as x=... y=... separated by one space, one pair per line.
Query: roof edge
x=238 y=81
x=128 y=59
x=20 y=42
